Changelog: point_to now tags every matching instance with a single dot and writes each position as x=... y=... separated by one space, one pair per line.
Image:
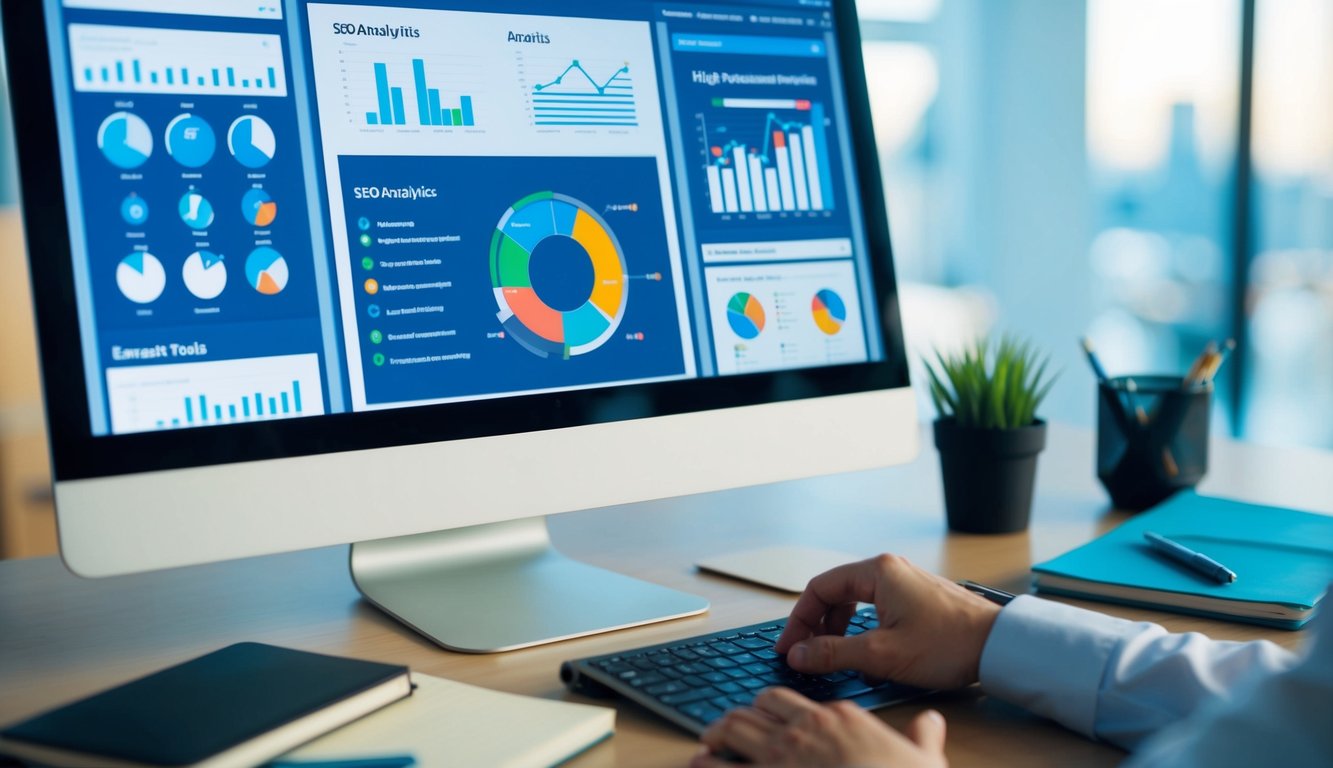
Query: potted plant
x=988 y=433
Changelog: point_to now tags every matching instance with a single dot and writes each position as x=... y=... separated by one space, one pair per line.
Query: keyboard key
x=684 y=654
x=766 y=655
x=726 y=649
x=646 y=679
x=694 y=681
x=721 y=662
x=729 y=687
x=715 y=677
x=643 y=665
x=743 y=699
x=706 y=652
x=737 y=674
x=722 y=702
x=753 y=643
x=703 y=712
x=686 y=697
x=669 y=673
x=751 y=684
x=693 y=669
x=666 y=688
x=616 y=669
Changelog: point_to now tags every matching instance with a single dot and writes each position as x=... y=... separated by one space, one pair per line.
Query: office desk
x=62 y=637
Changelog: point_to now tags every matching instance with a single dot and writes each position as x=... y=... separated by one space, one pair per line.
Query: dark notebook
x=242 y=705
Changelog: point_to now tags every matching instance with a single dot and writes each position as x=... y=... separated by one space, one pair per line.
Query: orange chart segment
x=537 y=316
x=608 y=293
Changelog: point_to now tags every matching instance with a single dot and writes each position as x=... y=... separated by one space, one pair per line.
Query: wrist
x=981 y=622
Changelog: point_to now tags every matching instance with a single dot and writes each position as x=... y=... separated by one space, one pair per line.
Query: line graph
x=577 y=97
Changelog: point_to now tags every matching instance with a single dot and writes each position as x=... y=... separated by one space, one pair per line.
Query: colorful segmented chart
x=745 y=315
x=258 y=208
x=548 y=220
x=829 y=311
x=266 y=271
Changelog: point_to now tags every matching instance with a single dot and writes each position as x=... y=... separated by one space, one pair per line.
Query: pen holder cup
x=1152 y=438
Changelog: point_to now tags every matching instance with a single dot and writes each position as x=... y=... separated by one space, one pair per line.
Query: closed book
x=239 y=706
x=447 y=723
x=1283 y=559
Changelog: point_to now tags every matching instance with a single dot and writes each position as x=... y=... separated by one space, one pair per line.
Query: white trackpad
x=786 y=568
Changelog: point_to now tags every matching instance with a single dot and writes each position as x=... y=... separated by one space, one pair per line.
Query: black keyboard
x=695 y=681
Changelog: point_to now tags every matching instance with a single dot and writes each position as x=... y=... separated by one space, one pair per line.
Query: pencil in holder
x=1152 y=437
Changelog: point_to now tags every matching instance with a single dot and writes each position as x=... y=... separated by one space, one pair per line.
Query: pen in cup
x=1195 y=561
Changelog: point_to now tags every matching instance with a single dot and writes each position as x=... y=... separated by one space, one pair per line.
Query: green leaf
x=991 y=383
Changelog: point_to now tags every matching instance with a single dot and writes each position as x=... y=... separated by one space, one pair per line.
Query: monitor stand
x=503 y=586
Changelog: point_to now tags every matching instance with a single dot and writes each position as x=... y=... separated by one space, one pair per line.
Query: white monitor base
x=503 y=586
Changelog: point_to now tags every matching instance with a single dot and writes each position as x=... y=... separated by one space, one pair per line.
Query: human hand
x=931 y=631
x=787 y=729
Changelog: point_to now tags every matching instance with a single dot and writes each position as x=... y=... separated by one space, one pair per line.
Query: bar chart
x=181 y=395
x=109 y=59
x=766 y=156
x=391 y=107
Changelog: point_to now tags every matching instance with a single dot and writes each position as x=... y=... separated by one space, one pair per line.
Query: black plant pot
x=988 y=475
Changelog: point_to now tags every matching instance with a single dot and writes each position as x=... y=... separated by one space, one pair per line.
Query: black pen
x=997 y=596
x=1195 y=561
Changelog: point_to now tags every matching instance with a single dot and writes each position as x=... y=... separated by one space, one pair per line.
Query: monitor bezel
x=77 y=454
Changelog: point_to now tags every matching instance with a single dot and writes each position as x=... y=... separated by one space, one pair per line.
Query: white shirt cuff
x=1050 y=658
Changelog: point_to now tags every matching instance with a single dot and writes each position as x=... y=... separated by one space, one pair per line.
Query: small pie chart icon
x=258 y=208
x=266 y=270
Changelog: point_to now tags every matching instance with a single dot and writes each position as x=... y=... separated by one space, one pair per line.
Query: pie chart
x=251 y=141
x=196 y=211
x=558 y=273
x=829 y=311
x=205 y=275
x=258 y=208
x=266 y=271
x=125 y=140
x=134 y=210
x=141 y=278
x=190 y=141
x=745 y=315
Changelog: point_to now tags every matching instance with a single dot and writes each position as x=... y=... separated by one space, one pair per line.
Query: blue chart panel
x=579 y=97
x=578 y=288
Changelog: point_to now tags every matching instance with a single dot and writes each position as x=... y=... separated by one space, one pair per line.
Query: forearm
x=1113 y=679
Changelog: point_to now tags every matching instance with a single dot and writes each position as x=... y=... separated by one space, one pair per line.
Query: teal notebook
x=1283 y=560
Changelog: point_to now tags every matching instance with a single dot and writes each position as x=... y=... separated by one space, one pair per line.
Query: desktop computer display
x=311 y=273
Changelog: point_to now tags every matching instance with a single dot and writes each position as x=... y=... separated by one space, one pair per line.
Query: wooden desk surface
x=62 y=637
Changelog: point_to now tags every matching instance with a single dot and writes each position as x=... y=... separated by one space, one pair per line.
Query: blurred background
x=1153 y=173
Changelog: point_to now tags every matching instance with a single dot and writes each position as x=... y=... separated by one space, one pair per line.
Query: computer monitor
x=414 y=274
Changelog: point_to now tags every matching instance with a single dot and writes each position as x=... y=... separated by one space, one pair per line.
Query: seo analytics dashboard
x=286 y=209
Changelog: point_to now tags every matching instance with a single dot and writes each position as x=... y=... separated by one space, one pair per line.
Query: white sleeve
x=1114 y=679
x=1282 y=719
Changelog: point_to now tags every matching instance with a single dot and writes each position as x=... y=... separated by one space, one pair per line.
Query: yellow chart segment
x=827 y=322
x=609 y=290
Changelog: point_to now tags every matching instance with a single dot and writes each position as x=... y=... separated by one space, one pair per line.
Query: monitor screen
x=283 y=210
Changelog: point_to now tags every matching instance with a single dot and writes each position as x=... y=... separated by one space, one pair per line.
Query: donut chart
x=745 y=315
x=557 y=320
x=829 y=311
